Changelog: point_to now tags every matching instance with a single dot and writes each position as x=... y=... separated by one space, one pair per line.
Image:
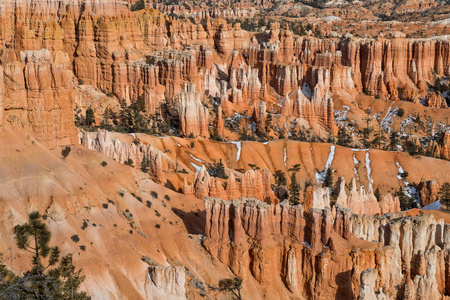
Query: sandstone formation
x=428 y=190
x=36 y=94
x=365 y=203
x=123 y=153
x=194 y=117
x=361 y=202
x=310 y=262
x=442 y=150
x=253 y=183
x=166 y=283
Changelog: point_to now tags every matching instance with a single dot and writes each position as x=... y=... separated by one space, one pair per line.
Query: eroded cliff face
x=134 y=154
x=37 y=95
x=322 y=254
x=252 y=183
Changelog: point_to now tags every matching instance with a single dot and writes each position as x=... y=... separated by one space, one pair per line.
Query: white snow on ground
x=341 y=115
x=369 y=170
x=359 y=149
x=330 y=157
x=306 y=89
x=400 y=170
x=410 y=191
x=178 y=144
x=320 y=177
x=195 y=158
x=388 y=119
x=239 y=148
x=133 y=135
x=434 y=205
x=356 y=162
x=197 y=168
x=285 y=157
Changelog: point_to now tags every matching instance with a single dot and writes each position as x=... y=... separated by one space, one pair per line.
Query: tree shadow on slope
x=194 y=221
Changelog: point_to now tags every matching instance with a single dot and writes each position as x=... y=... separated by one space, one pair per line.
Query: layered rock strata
x=253 y=183
x=322 y=254
x=132 y=154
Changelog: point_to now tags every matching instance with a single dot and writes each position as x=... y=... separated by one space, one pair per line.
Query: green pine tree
x=328 y=181
x=444 y=194
x=57 y=280
x=294 y=189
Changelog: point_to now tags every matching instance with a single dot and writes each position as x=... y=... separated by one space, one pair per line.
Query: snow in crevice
x=195 y=158
x=355 y=168
x=362 y=150
x=197 y=168
x=369 y=170
x=133 y=136
x=341 y=115
x=320 y=177
x=239 y=148
x=388 y=119
x=178 y=144
x=330 y=157
x=285 y=157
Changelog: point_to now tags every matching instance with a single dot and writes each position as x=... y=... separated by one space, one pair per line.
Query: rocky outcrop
x=36 y=94
x=367 y=289
x=428 y=190
x=166 y=283
x=253 y=183
x=436 y=101
x=136 y=154
x=408 y=253
x=365 y=203
x=441 y=149
x=194 y=117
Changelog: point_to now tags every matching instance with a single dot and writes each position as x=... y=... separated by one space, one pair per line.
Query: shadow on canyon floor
x=194 y=221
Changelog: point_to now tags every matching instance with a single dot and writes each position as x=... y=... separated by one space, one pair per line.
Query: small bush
x=65 y=152
x=75 y=238
x=158 y=226
x=85 y=225
x=104 y=163
x=154 y=194
x=131 y=231
x=83 y=247
x=110 y=201
x=166 y=197
x=400 y=112
x=121 y=194
x=149 y=204
x=105 y=205
x=157 y=213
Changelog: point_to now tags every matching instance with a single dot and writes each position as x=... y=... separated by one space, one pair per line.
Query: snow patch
x=195 y=158
x=306 y=90
x=239 y=148
x=356 y=163
x=434 y=205
x=197 y=168
x=285 y=157
x=330 y=157
x=359 y=150
x=369 y=170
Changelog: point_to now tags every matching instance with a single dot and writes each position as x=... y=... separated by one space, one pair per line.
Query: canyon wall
x=322 y=254
x=37 y=95
x=133 y=154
